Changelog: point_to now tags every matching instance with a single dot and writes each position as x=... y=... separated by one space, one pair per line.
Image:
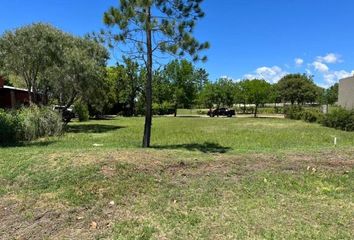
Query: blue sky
x=249 y=38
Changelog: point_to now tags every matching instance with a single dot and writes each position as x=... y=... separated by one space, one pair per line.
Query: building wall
x=5 y=98
x=11 y=98
x=346 y=93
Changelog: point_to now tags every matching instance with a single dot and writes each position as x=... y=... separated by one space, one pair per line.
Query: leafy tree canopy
x=56 y=64
x=298 y=88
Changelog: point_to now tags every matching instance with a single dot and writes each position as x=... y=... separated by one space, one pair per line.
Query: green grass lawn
x=204 y=178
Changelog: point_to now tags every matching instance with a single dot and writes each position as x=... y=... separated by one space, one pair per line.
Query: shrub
x=312 y=115
x=9 y=127
x=28 y=124
x=340 y=119
x=38 y=122
x=293 y=112
x=162 y=109
x=82 y=111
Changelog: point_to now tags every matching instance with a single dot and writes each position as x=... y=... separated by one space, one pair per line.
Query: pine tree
x=150 y=29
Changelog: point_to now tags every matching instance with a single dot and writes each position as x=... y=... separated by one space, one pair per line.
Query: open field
x=204 y=178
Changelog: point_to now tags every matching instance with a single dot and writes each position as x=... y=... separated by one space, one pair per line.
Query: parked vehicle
x=67 y=113
x=221 y=112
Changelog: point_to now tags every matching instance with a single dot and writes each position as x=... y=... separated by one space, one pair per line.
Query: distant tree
x=241 y=93
x=274 y=95
x=298 y=88
x=112 y=76
x=219 y=93
x=182 y=78
x=130 y=84
x=226 y=90
x=331 y=94
x=202 y=77
x=162 y=88
x=209 y=95
x=150 y=27
x=79 y=73
x=29 y=51
x=127 y=82
x=257 y=92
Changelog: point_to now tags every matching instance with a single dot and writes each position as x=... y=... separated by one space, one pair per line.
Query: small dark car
x=66 y=113
x=221 y=112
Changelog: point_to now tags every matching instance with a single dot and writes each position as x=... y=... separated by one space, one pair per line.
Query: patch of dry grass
x=163 y=194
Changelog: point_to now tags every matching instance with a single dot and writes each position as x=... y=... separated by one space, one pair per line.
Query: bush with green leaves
x=39 y=122
x=340 y=119
x=312 y=115
x=9 y=127
x=162 y=109
x=29 y=124
x=293 y=112
x=261 y=110
x=82 y=111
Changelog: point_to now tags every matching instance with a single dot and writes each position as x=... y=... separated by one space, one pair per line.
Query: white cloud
x=270 y=74
x=330 y=77
x=333 y=77
x=299 y=61
x=329 y=58
x=321 y=67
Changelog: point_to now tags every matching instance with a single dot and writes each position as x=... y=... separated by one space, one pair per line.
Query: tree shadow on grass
x=190 y=116
x=91 y=128
x=43 y=143
x=206 y=147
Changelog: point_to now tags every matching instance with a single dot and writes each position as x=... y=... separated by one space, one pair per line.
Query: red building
x=11 y=97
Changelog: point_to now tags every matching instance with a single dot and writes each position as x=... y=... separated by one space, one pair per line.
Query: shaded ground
x=91 y=128
x=160 y=194
x=206 y=147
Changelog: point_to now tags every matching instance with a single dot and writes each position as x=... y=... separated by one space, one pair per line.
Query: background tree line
x=68 y=69
x=64 y=69
x=182 y=85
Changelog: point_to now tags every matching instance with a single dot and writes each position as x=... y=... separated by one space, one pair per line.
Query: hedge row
x=28 y=124
x=162 y=109
x=261 y=110
x=339 y=118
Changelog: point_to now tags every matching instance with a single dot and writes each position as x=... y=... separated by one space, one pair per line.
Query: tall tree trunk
x=34 y=95
x=176 y=106
x=29 y=95
x=132 y=106
x=148 y=113
x=29 y=88
x=255 y=110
